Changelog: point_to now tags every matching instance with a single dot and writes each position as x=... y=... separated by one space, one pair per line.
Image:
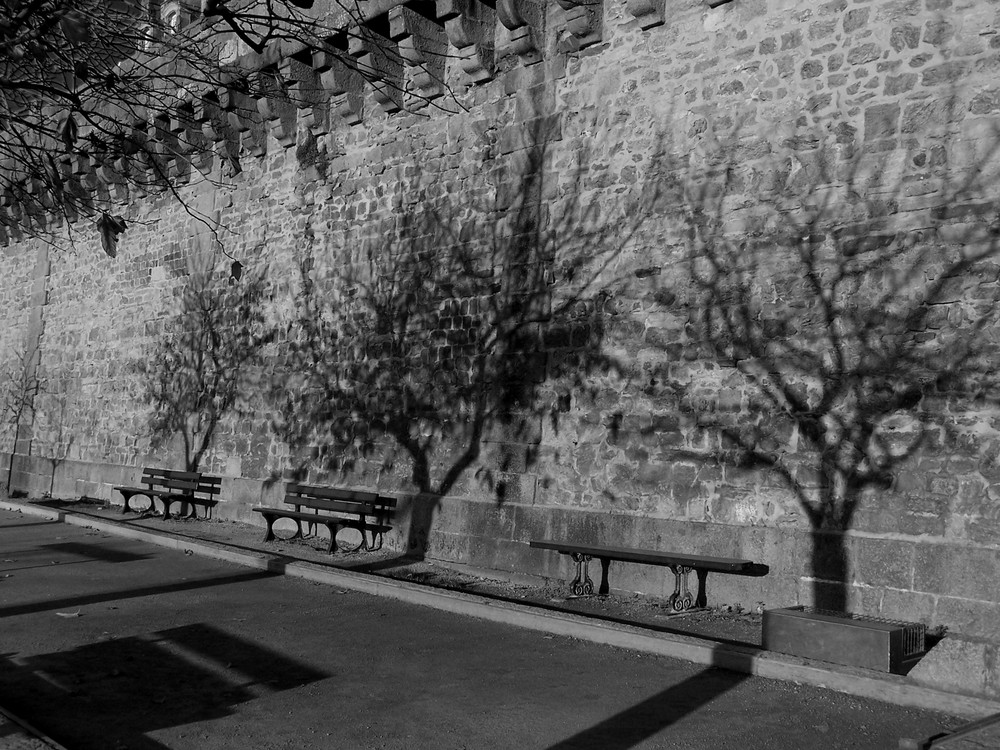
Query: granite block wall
x=530 y=235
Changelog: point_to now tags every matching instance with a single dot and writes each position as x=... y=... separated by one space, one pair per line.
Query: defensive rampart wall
x=527 y=229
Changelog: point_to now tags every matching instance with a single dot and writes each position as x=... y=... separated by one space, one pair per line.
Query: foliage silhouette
x=441 y=331
x=202 y=369
x=839 y=319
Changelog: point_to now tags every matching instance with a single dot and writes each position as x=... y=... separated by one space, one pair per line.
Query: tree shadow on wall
x=831 y=327
x=202 y=368
x=422 y=352
x=20 y=386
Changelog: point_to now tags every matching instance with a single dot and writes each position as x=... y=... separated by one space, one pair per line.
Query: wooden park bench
x=368 y=512
x=680 y=564
x=168 y=486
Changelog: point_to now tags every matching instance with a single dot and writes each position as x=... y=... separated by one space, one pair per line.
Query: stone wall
x=613 y=144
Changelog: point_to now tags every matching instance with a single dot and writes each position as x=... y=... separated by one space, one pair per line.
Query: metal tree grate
x=914 y=633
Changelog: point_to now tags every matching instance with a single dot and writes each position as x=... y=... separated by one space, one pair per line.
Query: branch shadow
x=426 y=347
x=829 y=327
x=200 y=370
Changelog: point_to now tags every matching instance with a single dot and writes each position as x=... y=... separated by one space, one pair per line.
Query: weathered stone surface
x=621 y=426
x=960 y=665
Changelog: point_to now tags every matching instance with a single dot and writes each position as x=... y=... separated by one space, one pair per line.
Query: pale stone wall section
x=902 y=81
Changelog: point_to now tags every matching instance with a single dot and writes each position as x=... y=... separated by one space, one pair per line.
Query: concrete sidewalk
x=112 y=642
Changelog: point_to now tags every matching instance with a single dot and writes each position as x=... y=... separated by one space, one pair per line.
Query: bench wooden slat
x=170 y=486
x=681 y=564
x=332 y=493
x=649 y=557
x=171 y=473
x=335 y=507
x=182 y=486
x=318 y=518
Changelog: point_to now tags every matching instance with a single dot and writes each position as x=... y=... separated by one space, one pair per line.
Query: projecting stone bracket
x=380 y=65
x=423 y=45
x=218 y=129
x=191 y=148
x=276 y=106
x=584 y=22
x=523 y=22
x=470 y=27
x=648 y=13
x=338 y=74
x=244 y=116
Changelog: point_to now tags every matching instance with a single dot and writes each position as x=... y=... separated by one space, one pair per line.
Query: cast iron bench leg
x=582 y=585
x=333 y=528
x=605 y=588
x=269 y=532
x=681 y=599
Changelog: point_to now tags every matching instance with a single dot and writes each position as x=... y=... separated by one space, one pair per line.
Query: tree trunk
x=831 y=574
x=422 y=508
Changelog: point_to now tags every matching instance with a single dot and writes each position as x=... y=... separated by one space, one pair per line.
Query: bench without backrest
x=680 y=564
x=368 y=512
x=169 y=486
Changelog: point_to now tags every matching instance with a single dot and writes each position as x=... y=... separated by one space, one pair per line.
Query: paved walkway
x=110 y=643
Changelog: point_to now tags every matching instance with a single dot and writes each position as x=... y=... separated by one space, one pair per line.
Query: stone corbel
x=524 y=23
x=423 y=45
x=79 y=184
x=584 y=22
x=190 y=142
x=380 y=65
x=160 y=149
x=307 y=93
x=277 y=107
x=134 y=162
x=244 y=117
x=648 y=13
x=217 y=129
x=470 y=26
x=339 y=76
x=107 y=174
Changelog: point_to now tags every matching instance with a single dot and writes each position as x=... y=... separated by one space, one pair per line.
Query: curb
x=23 y=736
x=744 y=659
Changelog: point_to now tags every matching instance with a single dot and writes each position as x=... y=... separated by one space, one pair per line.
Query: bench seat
x=335 y=508
x=680 y=563
x=169 y=486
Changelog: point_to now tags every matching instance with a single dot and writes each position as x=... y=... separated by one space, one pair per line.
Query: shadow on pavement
x=16 y=525
x=95 y=552
x=113 y=693
x=104 y=596
x=646 y=719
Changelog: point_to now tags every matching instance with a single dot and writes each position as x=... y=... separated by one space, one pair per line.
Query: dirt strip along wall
x=581 y=297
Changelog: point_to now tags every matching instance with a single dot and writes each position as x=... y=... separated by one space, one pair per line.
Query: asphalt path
x=109 y=643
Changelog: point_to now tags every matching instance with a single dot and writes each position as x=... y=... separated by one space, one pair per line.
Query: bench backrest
x=336 y=500
x=182 y=482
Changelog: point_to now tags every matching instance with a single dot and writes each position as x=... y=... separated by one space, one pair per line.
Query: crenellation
x=306 y=92
x=522 y=30
x=423 y=45
x=583 y=21
x=341 y=78
x=379 y=62
x=470 y=28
